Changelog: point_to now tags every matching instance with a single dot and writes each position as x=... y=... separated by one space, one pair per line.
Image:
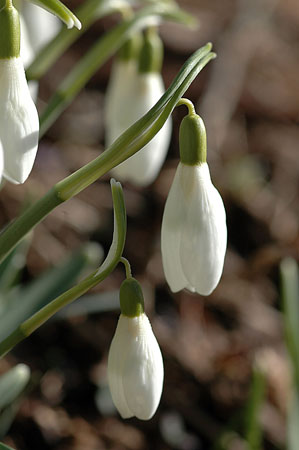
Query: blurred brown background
x=249 y=100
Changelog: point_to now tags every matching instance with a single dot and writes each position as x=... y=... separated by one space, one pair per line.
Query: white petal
x=204 y=234
x=143 y=370
x=118 y=93
x=135 y=368
x=172 y=224
x=116 y=360
x=19 y=125
x=133 y=94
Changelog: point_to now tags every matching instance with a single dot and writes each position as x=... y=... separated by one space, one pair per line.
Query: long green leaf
x=11 y=268
x=28 y=300
x=112 y=259
x=293 y=421
x=5 y=447
x=12 y=383
x=253 y=433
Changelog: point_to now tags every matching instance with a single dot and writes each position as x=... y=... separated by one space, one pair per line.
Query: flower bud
x=135 y=86
x=19 y=125
x=135 y=365
x=194 y=234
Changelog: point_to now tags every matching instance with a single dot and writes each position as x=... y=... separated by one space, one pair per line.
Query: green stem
x=188 y=103
x=127 y=267
x=125 y=146
x=28 y=326
x=112 y=259
x=253 y=431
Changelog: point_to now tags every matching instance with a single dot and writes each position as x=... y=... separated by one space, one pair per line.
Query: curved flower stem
x=188 y=103
x=127 y=266
x=112 y=259
x=132 y=140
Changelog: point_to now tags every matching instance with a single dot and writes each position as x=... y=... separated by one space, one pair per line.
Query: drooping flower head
x=194 y=233
x=135 y=86
x=19 y=125
x=135 y=365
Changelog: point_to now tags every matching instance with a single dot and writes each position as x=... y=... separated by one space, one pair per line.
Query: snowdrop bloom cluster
x=135 y=86
x=194 y=234
x=19 y=125
x=135 y=365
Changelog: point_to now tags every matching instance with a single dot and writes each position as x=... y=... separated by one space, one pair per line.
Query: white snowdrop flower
x=135 y=365
x=123 y=71
x=143 y=167
x=194 y=233
x=19 y=125
x=133 y=90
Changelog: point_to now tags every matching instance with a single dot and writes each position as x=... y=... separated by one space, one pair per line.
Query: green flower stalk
x=115 y=252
